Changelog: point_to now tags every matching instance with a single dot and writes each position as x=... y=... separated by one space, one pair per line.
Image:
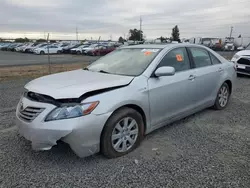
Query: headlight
x=71 y=111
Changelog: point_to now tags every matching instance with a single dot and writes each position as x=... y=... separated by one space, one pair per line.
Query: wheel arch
x=132 y=106
x=229 y=83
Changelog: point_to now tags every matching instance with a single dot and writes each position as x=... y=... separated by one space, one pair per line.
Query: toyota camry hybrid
x=113 y=103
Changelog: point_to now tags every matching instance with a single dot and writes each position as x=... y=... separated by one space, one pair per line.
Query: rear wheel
x=222 y=97
x=78 y=52
x=58 y=51
x=122 y=133
x=42 y=52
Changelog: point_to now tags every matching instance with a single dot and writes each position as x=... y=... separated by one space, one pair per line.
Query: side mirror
x=165 y=71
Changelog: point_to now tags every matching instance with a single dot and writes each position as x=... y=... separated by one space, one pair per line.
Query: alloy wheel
x=223 y=96
x=124 y=134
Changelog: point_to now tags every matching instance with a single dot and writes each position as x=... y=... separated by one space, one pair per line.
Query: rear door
x=207 y=75
x=170 y=96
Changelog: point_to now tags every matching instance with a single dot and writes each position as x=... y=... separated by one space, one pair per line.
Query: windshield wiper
x=102 y=71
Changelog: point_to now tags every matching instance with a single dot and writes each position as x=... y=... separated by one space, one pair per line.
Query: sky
x=113 y=18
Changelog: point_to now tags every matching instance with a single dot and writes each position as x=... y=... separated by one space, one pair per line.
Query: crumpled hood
x=73 y=84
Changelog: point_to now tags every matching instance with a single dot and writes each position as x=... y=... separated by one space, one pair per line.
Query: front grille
x=244 y=61
x=29 y=113
x=243 y=71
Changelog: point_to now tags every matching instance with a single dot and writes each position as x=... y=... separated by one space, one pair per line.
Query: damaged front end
x=44 y=120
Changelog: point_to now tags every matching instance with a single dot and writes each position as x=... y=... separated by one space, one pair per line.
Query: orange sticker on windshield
x=147 y=53
x=178 y=57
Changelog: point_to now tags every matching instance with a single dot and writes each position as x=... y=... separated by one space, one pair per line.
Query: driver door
x=172 y=96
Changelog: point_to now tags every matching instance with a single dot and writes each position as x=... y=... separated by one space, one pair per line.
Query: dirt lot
x=34 y=71
x=208 y=149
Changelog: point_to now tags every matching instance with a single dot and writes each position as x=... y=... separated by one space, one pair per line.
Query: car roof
x=163 y=46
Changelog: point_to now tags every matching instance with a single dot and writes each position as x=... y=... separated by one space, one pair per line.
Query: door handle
x=220 y=70
x=191 y=77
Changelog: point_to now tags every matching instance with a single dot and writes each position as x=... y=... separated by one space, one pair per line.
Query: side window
x=201 y=57
x=176 y=58
x=214 y=59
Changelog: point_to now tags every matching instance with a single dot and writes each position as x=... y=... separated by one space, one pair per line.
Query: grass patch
x=34 y=71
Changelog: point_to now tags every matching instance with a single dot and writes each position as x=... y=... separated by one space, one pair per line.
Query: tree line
x=137 y=35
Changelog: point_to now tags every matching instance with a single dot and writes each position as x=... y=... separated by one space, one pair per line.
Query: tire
x=107 y=144
x=58 y=51
x=78 y=52
x=42 y=53
x=219 y=105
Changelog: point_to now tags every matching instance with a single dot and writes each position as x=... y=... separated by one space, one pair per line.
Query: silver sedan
x=113 y=103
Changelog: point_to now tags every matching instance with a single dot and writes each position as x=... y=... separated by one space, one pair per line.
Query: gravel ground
x=208 y=149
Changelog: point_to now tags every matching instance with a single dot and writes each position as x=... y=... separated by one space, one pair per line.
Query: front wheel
x=42 y=52
x=122 y=133
x=222 y=97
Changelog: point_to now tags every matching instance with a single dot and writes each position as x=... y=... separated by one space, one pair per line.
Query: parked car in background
x=6 y=46
x=20 y=48
x=242 y=61
x=89 y=48
x=229 y=46
x=78 y=50
x=100 y=50
x=51 y=49
x=27 y=48
x=13 y=47
x=32 y=48
x=23 y=49
x=113 y=103
x=69 y=47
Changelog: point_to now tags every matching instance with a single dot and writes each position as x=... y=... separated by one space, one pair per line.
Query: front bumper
x=242 y=68
x=82 y=134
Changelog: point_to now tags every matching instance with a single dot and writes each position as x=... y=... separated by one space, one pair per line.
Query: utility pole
x=48 y=54
x=231 y=32
x=140 y=28
x=76 y=34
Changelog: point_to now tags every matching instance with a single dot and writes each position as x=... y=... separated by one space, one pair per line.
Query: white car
x=91 y=47
x=78 y=50
x=20 y=48
x=242 y=61
x=51 y=49
x=42 y=45
x=229 y=47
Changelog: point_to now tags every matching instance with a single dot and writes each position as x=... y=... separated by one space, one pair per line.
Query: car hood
x=75 y=49
x=74 y=84
x=244 y=52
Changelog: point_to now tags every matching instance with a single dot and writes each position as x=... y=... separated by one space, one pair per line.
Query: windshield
x=130 y=61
